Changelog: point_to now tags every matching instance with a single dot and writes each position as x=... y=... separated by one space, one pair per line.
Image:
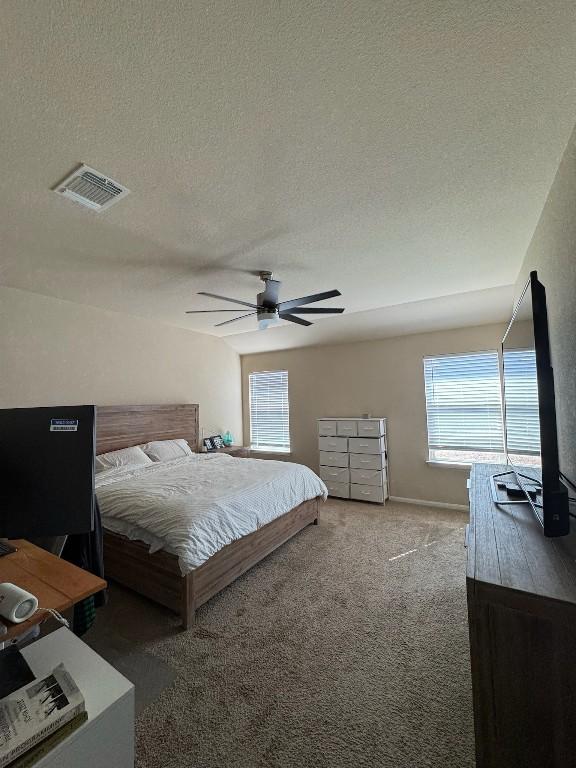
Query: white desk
x=107 y=738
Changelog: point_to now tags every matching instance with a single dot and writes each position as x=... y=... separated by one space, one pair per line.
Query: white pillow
x=165 y=450
x=125 y=457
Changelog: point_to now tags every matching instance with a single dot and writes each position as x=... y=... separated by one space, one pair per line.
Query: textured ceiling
x=398 y=151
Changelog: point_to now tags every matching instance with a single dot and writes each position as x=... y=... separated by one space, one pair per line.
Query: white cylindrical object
x=16 y=604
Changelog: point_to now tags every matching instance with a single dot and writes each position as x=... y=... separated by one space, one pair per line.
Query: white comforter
x=194 y=506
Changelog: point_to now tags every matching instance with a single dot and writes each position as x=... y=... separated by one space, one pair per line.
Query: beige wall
x=552 y=253
x=58 y=352
x=384 y=377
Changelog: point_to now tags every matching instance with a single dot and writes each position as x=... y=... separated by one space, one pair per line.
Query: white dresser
x=107 y=738
x=353 y=458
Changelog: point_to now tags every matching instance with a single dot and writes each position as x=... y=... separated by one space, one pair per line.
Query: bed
x=252 y=515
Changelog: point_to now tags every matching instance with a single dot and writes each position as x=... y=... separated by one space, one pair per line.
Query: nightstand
x=238 y=451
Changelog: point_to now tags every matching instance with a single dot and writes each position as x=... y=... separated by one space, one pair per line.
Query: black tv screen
x=46 y=471
x=530 y=410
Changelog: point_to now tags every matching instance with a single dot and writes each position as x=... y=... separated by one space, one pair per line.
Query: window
x=269 y=417
x=521 y=401
x=463 y=406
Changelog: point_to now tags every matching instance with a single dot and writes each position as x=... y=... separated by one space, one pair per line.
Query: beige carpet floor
x=346 y=647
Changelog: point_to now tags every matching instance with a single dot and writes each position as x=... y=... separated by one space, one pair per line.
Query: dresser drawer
x=367 y=476
x=333 y=444
x=367 y=493
x=329 y=459
x=338 y=489
x=366 y=445
x=335 y=474
x=373 y=428
x=326 y=428
x=366 y=461
x=346 y=428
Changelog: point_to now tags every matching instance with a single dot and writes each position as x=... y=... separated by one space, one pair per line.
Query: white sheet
x=194 y=506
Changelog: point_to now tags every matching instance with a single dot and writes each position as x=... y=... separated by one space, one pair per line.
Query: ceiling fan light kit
x=267 y=318
x=269 y=311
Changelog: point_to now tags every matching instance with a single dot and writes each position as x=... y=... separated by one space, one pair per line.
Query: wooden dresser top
x=507 y=548
x=55 y=582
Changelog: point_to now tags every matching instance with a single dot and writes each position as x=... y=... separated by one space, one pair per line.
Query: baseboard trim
x=421 y=502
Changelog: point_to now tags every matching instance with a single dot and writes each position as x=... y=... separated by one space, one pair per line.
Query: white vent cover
x=91 y=189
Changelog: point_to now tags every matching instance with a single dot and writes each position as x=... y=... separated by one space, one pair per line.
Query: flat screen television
x=46 y=471
x=530 y=411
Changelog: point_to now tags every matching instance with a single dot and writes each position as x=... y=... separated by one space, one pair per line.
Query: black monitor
x=530 y=410
x=46 y=471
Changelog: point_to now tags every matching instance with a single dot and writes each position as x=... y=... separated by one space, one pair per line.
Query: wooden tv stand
x=521 y=591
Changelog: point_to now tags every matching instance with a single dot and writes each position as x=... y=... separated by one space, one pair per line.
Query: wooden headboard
x=120 y=426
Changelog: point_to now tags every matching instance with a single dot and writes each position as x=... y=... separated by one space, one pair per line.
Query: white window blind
x=521 y=399
x=269 y=411
x=463 y=405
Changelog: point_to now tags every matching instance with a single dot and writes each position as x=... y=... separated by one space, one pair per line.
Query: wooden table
x=522 y=615
x=56 y=583
x=238 y=451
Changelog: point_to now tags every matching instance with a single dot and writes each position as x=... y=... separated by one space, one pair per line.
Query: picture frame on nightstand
x=213 y=443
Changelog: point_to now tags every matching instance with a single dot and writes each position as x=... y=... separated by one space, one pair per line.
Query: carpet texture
x=332 y=652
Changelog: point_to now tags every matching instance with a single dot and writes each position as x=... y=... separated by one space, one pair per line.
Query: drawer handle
x=365 y=493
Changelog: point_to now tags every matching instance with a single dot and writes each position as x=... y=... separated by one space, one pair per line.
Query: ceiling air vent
x=91 y=189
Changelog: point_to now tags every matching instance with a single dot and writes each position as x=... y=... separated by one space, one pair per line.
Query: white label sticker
x=63 y=425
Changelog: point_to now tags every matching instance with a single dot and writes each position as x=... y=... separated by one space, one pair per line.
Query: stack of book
x=38 y=714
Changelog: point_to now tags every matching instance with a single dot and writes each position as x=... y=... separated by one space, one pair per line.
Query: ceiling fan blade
x=202 y=311
x=285 y=305
x=234 y=319
x=294 y=319
x=227 y=298
x=317 y=310
x=269 y=296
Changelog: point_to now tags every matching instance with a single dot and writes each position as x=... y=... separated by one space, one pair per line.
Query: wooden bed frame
x=158 y=576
